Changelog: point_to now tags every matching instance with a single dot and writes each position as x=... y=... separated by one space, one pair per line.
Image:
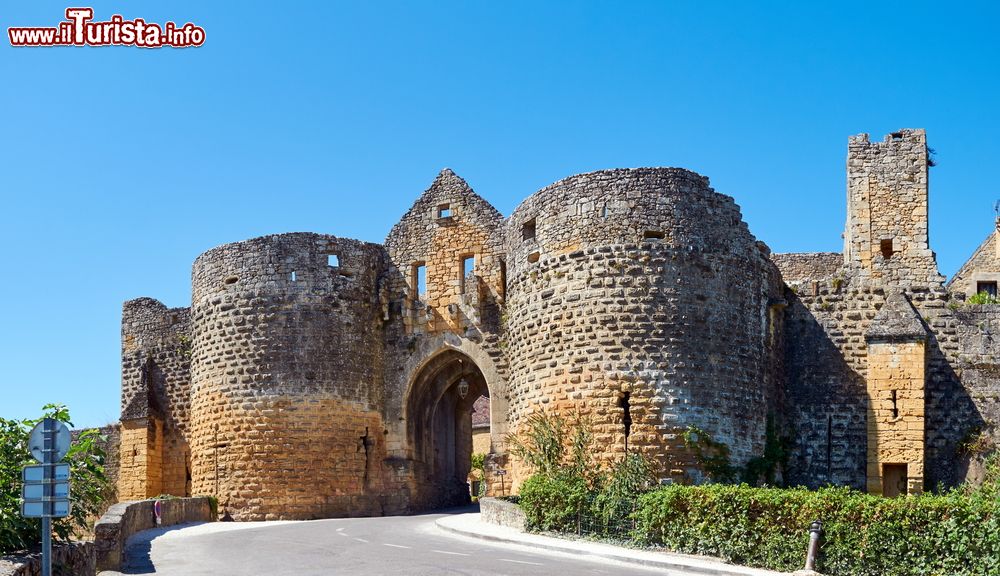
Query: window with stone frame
x=467 y=269
x=418 y=281
x=528 y=230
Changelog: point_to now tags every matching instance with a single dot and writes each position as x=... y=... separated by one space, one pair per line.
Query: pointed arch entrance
x=439 y=410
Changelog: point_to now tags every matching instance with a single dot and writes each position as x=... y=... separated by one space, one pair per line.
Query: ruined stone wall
x=982 y=267
x=808 y=266
x=446 y=225
x=976 y=363
x=887 y=209
x=827 y=397
x=643 y=283
x=286 y=378
x=156 y=373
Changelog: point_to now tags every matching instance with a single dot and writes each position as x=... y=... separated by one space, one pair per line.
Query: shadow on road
x=138 y=559
x=139 y=549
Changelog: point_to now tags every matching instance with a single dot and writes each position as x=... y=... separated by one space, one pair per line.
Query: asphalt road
x=408 y=545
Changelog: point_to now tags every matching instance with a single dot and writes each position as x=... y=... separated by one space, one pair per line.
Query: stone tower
x=886 y=234
x=640 y=295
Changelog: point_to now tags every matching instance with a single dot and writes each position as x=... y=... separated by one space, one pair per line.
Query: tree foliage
x=89 y=486
x=983 y=298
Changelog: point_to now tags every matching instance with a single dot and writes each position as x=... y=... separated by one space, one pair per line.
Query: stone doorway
x=439 y=410
x=894 y=480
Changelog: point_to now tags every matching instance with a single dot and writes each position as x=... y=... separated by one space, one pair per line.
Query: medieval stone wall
x=313 y=377
x=286 y=378
x=156 y=396
x=808 y=266
x=641 y=284
x=827 y=363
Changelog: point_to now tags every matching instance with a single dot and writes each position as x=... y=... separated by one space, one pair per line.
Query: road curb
x=690 y=566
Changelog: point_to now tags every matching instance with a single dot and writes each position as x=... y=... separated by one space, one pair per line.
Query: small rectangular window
x=444 y=211
x=652 y=235
x=292 y=276
x=468 y=268
x=988 y=287
x=528 y=230
x=332 y=260
x=419 y=279
x=886 y=246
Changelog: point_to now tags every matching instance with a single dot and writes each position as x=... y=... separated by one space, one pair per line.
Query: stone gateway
x=316 y=376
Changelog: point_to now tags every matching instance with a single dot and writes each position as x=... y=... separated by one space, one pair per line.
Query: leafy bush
x=89 y=486
x=982 y=298
x=551 y=445
x=954 y=533
x=559 y=452
x=617 y=497
x=554 y=502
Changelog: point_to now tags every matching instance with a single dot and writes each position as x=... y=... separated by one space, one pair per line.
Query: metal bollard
x=815 y=533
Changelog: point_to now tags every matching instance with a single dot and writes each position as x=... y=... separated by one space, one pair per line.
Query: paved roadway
x=406 y=545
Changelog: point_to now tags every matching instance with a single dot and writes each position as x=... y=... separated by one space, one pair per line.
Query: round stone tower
x=285 y=364
x=641 y=295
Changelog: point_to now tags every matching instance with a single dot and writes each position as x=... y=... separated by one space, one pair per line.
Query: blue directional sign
x=46 y=509
x=36 y=473
x=45 y=492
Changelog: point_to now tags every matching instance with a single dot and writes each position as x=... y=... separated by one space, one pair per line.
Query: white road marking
x=361 y=540
x=341 y=533
x=521 y=562
x=452 y=553
x=395 y=545
x=340 y=529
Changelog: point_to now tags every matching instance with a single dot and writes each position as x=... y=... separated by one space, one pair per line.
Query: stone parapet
x=125 y=519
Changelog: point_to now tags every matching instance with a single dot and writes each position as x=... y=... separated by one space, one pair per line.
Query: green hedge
x=553 y=502
x=954 y=533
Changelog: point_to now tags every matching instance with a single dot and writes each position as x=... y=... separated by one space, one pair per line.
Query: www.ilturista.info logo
x=79 y=30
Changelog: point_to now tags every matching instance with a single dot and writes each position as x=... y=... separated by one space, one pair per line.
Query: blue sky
x=118 y=166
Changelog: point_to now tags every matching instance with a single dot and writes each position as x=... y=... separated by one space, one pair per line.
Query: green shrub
x=617 y=497
x=982 y=298
x=554 y=502
x=89 y=486
x=550 y=445
x=953 y=533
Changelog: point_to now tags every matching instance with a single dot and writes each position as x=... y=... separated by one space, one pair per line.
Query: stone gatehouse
x=317 y=376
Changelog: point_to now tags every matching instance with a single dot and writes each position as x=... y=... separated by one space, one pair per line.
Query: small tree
x=89 y=486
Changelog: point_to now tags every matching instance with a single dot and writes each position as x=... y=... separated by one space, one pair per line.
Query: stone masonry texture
x=316 y=376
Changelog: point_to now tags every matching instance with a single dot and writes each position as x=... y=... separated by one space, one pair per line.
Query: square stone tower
x=886 y=234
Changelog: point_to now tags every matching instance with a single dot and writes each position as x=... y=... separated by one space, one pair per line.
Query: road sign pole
x=45 y=492
x=46 y=546
x=49 y=431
